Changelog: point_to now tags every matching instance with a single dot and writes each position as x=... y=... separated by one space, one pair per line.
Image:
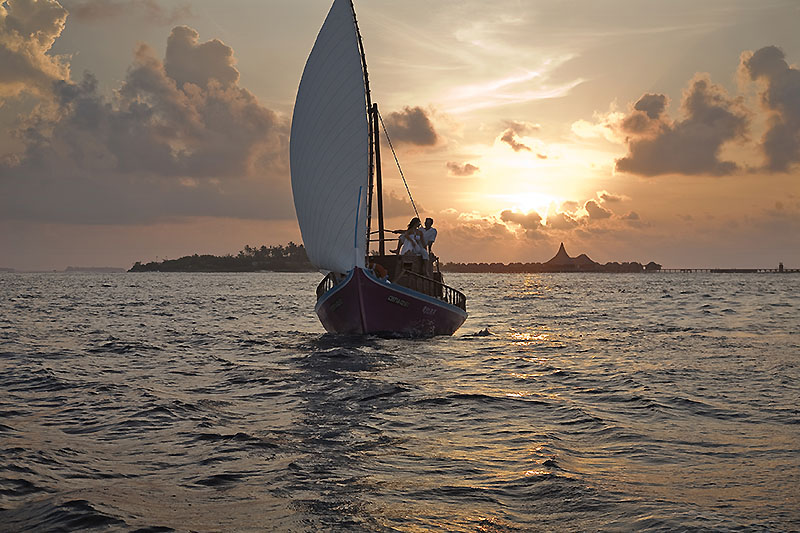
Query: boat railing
x=327 y=283
x=431 y=287
x=411 y=280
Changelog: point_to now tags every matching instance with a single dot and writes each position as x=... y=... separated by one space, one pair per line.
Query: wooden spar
x=378 y=180
x=374 y=136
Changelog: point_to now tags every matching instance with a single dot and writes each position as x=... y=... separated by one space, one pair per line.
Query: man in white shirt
x=428 y=235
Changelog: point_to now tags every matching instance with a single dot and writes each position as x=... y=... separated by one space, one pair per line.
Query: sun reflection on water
x=528 y=338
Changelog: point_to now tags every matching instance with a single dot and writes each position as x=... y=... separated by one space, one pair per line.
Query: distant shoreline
x=293 y=258
x=609 y=268
x=513 y=269
x=114 y=270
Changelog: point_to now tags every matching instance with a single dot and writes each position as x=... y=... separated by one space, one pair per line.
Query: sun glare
x=525 y=202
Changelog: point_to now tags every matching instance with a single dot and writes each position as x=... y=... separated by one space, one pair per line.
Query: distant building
x=562 y=262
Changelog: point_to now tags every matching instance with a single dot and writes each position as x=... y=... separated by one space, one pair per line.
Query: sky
x=666 y=131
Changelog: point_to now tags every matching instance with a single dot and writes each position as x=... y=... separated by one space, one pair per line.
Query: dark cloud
x=514 y=129
x=521 y=127
x=466 y=169
x=529 y=221
x=396 y=205
x=781 y=98
x=189 y=61
x=691 y=145
x=159 y=147
x=96 y=10
x=596 y=211
x=476 y=231
x=632 y=219
x=647 y=116
x=606 y=196
x=510 y=138
x=28 y=29
x=652 y=104
x=412 y=125
x=561 y=221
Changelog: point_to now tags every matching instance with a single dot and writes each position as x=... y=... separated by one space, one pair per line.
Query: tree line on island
x=293 y=258
x=289 y=258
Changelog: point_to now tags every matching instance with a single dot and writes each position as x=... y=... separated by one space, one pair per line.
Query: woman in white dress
x=410 y=240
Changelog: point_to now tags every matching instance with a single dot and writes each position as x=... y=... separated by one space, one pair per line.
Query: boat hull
x=362 y=303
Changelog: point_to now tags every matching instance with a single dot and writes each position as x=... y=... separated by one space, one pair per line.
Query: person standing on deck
x=428 y=236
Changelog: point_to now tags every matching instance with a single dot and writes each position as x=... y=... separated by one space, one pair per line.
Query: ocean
x=566 y=402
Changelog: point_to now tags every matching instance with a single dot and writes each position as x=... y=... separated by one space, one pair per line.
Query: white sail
x=329 y=146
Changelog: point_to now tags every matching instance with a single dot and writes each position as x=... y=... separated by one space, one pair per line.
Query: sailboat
x=336 y=180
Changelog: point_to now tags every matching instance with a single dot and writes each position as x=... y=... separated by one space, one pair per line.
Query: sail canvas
x=329 y=148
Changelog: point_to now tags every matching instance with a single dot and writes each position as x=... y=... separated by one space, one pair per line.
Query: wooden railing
x=410 y=280
x=433 y=288
x=327 y=283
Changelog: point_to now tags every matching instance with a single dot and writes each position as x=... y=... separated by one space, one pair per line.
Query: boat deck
x=407 y=271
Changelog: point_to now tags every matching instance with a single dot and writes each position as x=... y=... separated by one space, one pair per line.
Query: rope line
x=397 y=161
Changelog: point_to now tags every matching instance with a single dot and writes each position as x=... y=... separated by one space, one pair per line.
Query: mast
x=374 y=138
x=379 y=180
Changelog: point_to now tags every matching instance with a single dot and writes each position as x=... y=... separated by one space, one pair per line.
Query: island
x=293 y=258
x=289 y=258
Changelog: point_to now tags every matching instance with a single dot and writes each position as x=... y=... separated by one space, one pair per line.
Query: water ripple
x=189 y=402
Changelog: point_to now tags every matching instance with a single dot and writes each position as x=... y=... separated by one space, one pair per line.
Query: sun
x=525 y=202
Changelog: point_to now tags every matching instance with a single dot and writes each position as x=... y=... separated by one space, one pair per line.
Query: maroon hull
x=364 y=304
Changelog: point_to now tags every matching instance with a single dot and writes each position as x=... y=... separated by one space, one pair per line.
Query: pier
x=730 y=270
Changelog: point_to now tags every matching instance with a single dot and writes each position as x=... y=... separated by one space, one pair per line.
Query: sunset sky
x=132 y=130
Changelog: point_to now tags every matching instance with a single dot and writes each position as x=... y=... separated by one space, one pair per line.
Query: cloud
x=28 y=29
x=652 y=104
x=570 y=215
x=605 y=125
x=570 y=206
x=189 y=61
x=397 y=205
x=531 y=220
x=607 y=197
x=514 y=129
x=510 y=138
x=457 y=169
x=530 y=223
x=475 y=230
x=596 y=211
x=97 y=10
x=561 y=221
x=182 y=141
x=692 y=145
x=412 y=126
x=781 y=98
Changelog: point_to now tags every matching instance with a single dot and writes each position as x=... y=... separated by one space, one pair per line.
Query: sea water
x=572 y=402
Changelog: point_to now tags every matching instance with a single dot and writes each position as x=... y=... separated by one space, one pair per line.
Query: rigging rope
x=398 y=165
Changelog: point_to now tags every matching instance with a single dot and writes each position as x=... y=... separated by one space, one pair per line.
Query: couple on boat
x=417 y=240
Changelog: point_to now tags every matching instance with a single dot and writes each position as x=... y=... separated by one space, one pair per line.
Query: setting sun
x=526 y=202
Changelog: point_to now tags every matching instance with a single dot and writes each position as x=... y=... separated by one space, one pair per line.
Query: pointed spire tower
x=561 y=258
